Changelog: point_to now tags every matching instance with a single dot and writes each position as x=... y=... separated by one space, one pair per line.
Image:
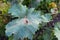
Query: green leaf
x=28 y=24
x=11 y=38
x=57 y=30
x=47 y=34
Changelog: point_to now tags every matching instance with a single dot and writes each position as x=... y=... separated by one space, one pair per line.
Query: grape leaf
x=22 y=29
x=27 y=25
x=57 y=30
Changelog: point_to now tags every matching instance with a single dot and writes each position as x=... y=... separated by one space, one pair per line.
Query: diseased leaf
x=27 y=23
x=20 y=29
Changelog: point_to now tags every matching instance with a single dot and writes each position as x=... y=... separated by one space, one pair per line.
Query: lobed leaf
x=27 y=23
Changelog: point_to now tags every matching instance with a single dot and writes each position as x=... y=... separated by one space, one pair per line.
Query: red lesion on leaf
x=26 y=20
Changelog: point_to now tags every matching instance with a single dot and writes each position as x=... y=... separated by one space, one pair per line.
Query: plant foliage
x=26 y=25
x=29 y=20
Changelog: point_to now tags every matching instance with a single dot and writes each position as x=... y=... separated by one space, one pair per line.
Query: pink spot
x=26 y=20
